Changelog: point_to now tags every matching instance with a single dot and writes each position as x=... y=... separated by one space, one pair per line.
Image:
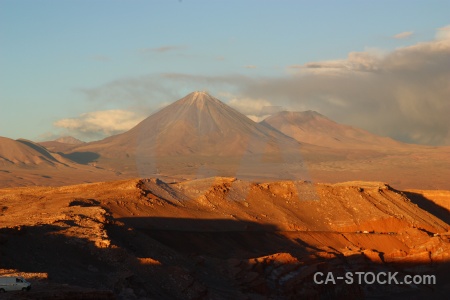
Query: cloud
x=248 y=105
x=164 y=49
x=443 y=33
x=250 y=67
x=257 y=118
x=356 y=61
x=255 y=109
x=100 y=124
x=402 y=93
x=403 y=35
x=141 y=93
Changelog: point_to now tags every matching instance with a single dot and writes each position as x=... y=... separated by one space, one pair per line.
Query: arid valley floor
x=200 y=202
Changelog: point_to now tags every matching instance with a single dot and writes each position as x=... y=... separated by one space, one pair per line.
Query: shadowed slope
x=25 y=153
x=24 y=163
x=219 y=238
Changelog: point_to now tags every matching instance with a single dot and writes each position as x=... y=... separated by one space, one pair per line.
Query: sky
x=93 y=68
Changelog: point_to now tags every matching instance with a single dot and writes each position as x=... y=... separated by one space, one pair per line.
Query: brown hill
x=24 y=163
x=218 y=238
x=26 y=153
x=62 y=144
x=314 y=128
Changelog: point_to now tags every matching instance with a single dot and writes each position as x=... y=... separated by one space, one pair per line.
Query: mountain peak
x=313 y=128
x=200 y=94
x=69 y=140
x=199 y=99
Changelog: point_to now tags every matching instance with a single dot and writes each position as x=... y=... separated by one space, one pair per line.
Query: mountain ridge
x=314 y=128
x=26 y=153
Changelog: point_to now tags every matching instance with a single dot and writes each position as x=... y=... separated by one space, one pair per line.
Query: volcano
x=313 y=128
x=197 y=124
x=196 y=134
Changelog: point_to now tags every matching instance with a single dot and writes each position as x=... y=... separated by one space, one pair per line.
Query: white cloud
x=403 y=35
x=249 y=106
x=443 y=33
x=255 y=109
x=257 y=118
x=100 y=123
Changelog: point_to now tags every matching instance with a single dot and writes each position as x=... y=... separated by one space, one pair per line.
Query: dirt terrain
x=219 y=238
x=231 y=209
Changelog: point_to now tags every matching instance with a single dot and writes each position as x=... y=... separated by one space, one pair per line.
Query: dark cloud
x=403 y=94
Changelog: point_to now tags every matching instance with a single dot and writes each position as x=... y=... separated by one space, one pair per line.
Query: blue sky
x=72 y=60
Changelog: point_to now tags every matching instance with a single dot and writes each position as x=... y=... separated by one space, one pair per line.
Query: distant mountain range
x=200 y=136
